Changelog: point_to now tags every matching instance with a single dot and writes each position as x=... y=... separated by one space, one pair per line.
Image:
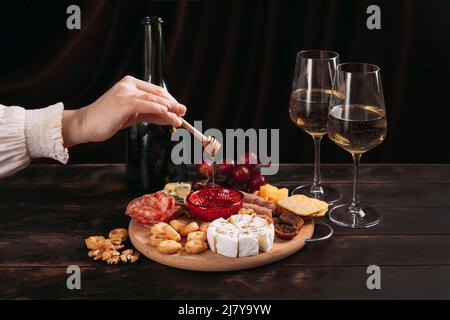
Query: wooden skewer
x=210 y=144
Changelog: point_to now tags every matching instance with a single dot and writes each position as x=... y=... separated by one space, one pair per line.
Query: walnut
x=246 y=211
x=126 y=255
x=106 y=255
x=118 y=233
x=113 y=260
x=108 y=249
x=116 y=241
x=95 y=253
x=117 y=247
x=94 y=242
x=135 y=257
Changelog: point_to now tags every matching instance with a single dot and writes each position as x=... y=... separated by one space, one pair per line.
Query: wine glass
x=357 y=123
x=308 y=109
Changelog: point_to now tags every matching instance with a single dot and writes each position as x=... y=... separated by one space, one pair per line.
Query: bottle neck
x=153 y=52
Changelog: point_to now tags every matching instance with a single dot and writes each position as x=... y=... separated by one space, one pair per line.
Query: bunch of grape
x=244 y=175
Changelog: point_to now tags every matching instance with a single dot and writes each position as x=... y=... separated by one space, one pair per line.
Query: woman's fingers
x=152 y=119
x=171 y=118
x=171 y=105
x=144 y=107
x=157 y=94
x=151 y=88
x=181 y=109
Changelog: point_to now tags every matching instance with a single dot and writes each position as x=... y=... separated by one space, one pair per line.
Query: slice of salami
x=150 y=209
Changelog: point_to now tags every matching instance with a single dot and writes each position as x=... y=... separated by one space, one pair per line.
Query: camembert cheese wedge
x=242 y=235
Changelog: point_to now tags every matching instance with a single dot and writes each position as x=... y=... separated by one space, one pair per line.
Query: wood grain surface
x=48 y=210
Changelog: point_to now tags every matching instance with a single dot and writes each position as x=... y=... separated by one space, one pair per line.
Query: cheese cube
x=248 y=244
x=265 y=237
x=258 y=222
x=227 y=242
x=241 y=220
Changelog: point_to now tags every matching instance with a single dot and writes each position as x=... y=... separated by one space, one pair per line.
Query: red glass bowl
x=212 y=203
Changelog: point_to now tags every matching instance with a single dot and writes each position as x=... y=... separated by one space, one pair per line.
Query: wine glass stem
x=316 y=183
x=355 y=206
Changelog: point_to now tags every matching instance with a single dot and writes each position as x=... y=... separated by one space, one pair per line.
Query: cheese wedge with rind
x=242 y=235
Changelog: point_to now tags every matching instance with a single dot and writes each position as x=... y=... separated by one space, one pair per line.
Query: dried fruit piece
x=292 y=219
x=285 y=231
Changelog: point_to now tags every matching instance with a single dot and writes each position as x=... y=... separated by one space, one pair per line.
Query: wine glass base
x=367 y=217
x=328 y=194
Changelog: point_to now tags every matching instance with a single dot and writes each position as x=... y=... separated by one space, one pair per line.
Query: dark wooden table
x=46 y=212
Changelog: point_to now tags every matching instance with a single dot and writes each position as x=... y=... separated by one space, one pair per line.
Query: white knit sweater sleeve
x=28 y=134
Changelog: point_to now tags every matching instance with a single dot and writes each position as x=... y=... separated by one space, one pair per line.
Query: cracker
x=303 y=206
x=320 y=213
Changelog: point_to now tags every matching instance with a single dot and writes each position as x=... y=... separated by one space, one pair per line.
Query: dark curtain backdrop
x=231 y=63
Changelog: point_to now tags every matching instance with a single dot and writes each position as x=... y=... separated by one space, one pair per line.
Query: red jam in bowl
x=213 y=203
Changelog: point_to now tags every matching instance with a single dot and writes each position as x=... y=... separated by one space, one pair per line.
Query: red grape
x=241 y=174
x=249 y=159
x=205 y=169
x=226 y=167
x=256 y=181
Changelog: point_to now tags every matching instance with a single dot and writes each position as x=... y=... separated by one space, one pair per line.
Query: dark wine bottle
x=149 y=164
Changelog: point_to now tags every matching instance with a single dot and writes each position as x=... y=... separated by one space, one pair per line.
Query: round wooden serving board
x=210 y=261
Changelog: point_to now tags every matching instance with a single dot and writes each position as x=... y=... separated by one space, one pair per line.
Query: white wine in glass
x=308 y=109
x=357 y=128
x=357 y=123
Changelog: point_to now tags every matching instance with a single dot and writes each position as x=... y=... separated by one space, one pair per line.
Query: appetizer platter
x=217 y=228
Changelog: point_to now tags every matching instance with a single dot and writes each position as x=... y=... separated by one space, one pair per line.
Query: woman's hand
x=128 y=102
